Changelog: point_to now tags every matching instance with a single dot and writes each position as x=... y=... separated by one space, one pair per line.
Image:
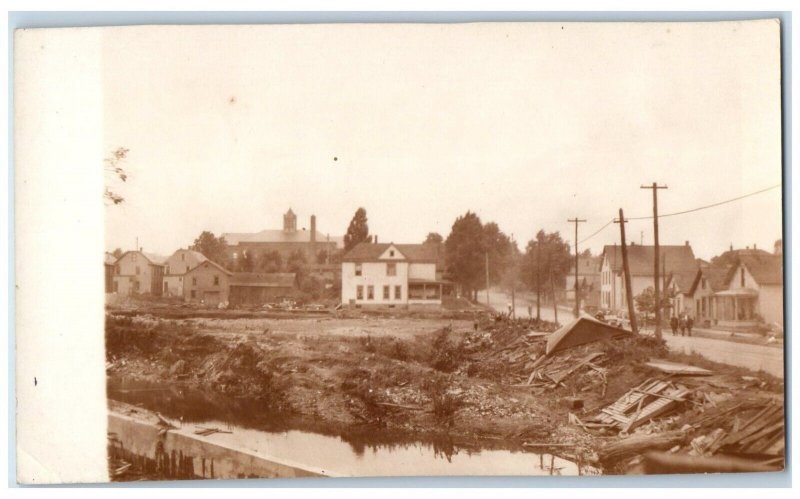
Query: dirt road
x=755 y=357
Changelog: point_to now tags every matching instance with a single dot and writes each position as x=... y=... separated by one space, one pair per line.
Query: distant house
x=207 y=283
x=741 y=289
x=176 y=267
x=678 y=288
x=588 y=277
x=250 y=288
x=109 y=261
x=139 y=273
x=392 y=275
x=675 y=259
x=314 y=245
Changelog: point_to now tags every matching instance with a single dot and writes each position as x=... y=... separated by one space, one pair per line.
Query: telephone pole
x=538 y=281
x=576 y=221
x=487 y=281
x=655 y=187
x=627 y=272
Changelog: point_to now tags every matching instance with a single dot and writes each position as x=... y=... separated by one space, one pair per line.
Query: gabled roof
x=371 y=252
x=109 y=259
x=684 y=279
x=279 y=236
x=150 y=257
x=211 y=263
x=765 y=268
x=715 y=276
x=194 y=254
x=273 y=280
x=587 y=265
x=677 y=258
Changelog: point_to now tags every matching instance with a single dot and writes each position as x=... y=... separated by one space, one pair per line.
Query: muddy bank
x=421 y=378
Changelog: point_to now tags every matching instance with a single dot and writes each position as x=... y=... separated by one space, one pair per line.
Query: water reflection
x=291 y=438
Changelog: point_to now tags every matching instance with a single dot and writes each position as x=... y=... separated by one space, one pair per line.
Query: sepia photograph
x=476 y=249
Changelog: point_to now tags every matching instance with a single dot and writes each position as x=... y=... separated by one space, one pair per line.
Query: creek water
x=362 y=451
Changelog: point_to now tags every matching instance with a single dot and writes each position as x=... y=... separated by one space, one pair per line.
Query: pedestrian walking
x=673 y=324
x=682 y=324
x=689 y=324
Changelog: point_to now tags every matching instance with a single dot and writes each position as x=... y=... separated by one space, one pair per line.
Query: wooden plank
x=676 y=368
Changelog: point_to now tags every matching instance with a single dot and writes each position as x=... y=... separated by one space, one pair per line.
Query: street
x=756 y=357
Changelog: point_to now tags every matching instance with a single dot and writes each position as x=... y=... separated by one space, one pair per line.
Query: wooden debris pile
x=651 y=399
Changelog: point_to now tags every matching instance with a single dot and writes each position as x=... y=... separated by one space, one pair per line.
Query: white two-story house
x=391 y=275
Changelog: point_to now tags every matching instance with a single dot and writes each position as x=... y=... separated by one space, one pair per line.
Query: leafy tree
x=113 y=171
x=270 y=262
x=433 y=238
x=322 y=256
x=214 y=248
x=465 y=252
x=646 y=301
x=547 y=259
x=117 y=252
x=296 y=262
x=357 y=231
x=499 y=247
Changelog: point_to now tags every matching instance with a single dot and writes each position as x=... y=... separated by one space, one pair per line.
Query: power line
x=682 y=212
x=706 y=206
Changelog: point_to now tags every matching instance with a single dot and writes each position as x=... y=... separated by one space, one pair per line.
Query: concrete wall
x=141 y=438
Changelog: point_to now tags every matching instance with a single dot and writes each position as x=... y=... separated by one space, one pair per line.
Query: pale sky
x=525 y=124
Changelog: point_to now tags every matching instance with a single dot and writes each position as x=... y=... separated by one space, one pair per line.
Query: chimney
x=375 y=237
x=686 y=243
x=313 y=229
x=754 y=246
x=731 y=246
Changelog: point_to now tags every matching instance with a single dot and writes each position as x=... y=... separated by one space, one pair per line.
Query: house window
x=391 y=252
x=167 y=270
x=358 y=269
x=187 y=268
x=359 y=292
x=117 y=268
x=370 y=292
x=216 y=280
x=386 y=293
x=194 y=293
x=741 y=277
x=194 y=281
x=391 y=269
x=183 y=257
x=116 y=286
x=703 y=283
x=137 y=270
x=398 y=292
x=133 y=257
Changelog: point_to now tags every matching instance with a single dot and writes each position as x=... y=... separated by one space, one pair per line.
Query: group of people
x=684 y=323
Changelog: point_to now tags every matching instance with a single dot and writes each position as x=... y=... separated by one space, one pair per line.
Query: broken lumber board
x=665 y=462
x=637 y=444
x=557 y=377
x=677 y=368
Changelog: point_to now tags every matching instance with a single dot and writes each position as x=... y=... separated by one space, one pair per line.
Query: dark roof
x=765 y=268
x=278 y=236
x=273 y=280
x=715 y=275
x=678 y=258
x=684 y=279
x=370 y=252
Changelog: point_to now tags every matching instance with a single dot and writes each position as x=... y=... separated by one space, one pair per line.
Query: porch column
x=735 y=311
x=424 y=292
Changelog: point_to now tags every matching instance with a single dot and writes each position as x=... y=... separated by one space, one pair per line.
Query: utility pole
x=538 y=281
x=655 y=187
x=513 y=313
x=487 y=281
x=627 y=272
x=576 y=221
